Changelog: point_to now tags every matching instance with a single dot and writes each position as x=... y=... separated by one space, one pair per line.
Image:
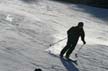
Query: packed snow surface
x=29 y=27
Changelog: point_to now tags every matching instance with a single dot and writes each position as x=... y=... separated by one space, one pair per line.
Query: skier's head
x=80 y=24
x=38 y=69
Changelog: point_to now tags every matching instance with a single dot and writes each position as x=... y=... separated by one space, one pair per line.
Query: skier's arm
x=83 y=36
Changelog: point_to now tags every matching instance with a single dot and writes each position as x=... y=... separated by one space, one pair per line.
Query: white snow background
x=28 y=27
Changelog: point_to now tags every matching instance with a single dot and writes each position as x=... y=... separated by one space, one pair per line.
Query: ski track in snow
x=27 y=30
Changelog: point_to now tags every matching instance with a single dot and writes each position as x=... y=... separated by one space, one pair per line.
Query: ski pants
x=68 y=49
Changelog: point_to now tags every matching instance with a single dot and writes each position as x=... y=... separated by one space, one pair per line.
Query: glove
x=84 y=42
x=76 y=55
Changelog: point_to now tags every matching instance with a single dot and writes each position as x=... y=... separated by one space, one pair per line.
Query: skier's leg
x=70 y=50
x=65 y=48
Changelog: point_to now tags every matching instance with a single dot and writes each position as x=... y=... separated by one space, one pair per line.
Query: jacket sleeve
x=83 y=35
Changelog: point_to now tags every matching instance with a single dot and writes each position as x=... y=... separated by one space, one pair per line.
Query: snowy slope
x=27 y=28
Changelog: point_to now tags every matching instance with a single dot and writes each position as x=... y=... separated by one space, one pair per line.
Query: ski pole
x=57 y=41
x=76 y=54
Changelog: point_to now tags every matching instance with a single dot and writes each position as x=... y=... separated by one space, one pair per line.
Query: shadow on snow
x=69 y=65
x=30 y=1
x=99 y=13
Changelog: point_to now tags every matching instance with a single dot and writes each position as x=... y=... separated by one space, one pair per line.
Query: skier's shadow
x=69 y=65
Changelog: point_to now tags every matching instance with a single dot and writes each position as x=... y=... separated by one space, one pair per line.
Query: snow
x=28 y=29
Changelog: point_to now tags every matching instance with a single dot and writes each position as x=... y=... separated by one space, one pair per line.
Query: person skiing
x=73 y=35
x=38 y=69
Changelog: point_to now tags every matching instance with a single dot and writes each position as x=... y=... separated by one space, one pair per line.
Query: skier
x=73 y=35
x=38 y=69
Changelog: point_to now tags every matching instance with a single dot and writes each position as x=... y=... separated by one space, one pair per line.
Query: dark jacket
x=75 y=32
